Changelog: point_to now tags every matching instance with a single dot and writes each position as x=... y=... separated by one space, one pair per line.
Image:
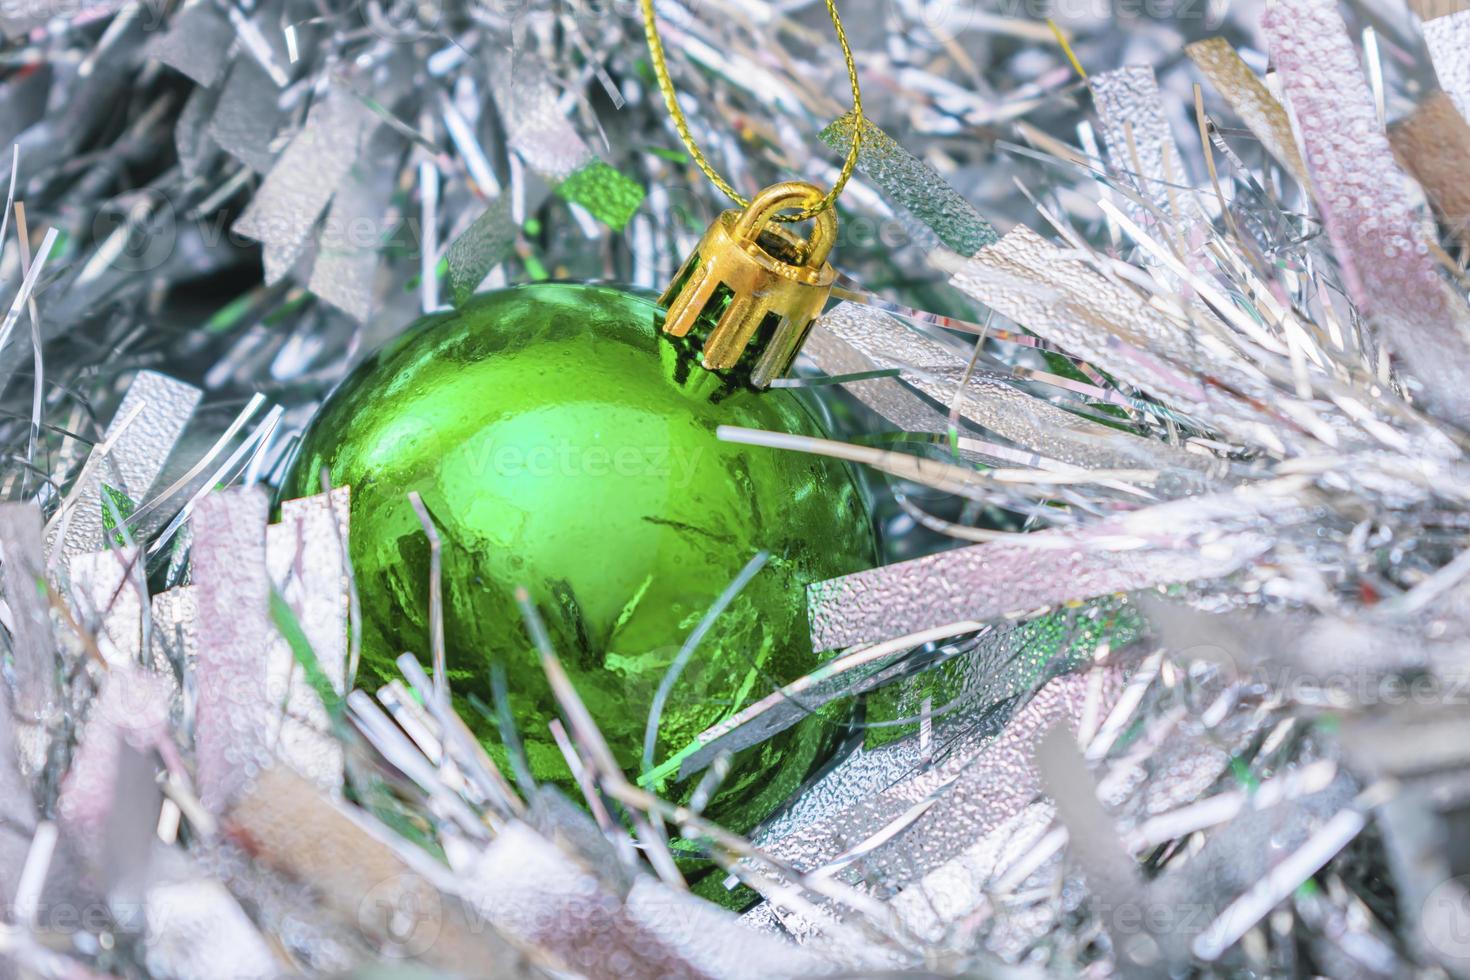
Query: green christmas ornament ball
x=560 y=443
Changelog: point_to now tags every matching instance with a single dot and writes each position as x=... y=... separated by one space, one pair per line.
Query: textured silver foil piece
x=294 y=194
x=852 y=334
x=1062 y=299
x=1111 y=874
x=935 y=906
x=142 y=435
x=232 y=592
x=108 y=587
x=306 y=564
x=17 y=808
x=482 y=246
x=192 y=43
x=536 y=127
x=1448 y=40
x=345 y=271
x=246 y=116
x=1006 y=665
x=933 y=814
x=174 y=638
x=914 y=185
x=712 y=941
x=1141 y=147
x=1179 y=541
x=845 y=675
x=1371 y=218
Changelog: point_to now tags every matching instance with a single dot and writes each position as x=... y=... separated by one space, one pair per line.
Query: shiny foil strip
x=142 y=436
x=1179 y=541
x=1448 y=40
x=174 y=638
x=483 y=245
x=1141 y=147
x=956 y=889
x=295 y=192
x=1365 y=202
x=536 y=128
x=1433 y=144
x=109 y=589
x=17 y=807
x=852 y=334
x=306 y=563
x=245 y=118
x=887 y=841
x=231 y=733
x=1250 y=99
x=345 y=271
x=369 y=877
x=1006 y=666
x=192 y=43
x=1059 y=297
x=908 y=181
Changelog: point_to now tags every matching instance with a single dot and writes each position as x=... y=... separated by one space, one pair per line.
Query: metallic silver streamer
x=851 y=334
x=304 y=555
x=519 y=886
x=1141 y=147
x=192 y=43
x=108 y=587
x=914 y=185
x=537 y=129
x=303 y=179
x=1198 y=538
x=129 y=459
x=246 y=115
x=233 y=595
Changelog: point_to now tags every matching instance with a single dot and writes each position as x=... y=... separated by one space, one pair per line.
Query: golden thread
x=671 y=99
x=1056 y=31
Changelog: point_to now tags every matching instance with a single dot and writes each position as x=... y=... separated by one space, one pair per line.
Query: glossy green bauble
x=560 y=443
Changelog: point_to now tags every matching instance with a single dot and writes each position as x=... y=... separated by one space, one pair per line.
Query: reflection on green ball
x=561 y=444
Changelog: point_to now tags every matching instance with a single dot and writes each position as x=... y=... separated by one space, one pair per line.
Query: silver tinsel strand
x=1156 y=312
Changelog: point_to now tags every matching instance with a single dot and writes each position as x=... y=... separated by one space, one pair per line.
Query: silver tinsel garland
x=1165 y=373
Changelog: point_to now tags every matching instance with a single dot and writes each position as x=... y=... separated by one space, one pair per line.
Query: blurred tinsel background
x=1152 y=339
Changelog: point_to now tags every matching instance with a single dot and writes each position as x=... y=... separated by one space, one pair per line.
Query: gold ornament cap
x=757 y=281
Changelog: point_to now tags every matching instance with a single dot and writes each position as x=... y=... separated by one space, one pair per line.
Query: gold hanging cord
x=671 y=99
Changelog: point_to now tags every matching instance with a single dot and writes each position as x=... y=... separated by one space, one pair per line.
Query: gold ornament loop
x=671 y=100
x=768 y=206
